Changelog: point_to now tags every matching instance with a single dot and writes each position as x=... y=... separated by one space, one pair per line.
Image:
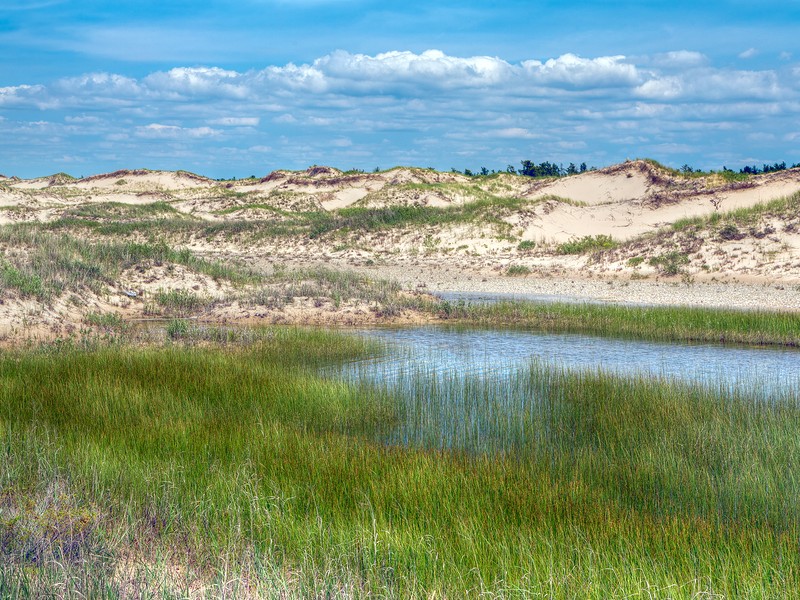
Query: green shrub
x=526 y=245
x=105 y=320
x=587 y=243
x=670 y=263
x=28 y=284
x=517 y=270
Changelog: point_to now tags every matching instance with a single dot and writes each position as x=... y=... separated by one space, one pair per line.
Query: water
x=446 y=351
x=468 y=388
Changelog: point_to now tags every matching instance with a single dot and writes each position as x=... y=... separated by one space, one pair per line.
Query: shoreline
x=772 y=296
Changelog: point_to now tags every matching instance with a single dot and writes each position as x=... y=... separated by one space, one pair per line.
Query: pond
x=491 y=390
x=450 y=350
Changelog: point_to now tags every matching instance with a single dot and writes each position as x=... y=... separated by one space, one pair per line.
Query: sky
x=240 y=88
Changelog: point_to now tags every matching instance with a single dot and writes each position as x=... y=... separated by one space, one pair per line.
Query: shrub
x=587 y=243
x=517 y=270
x=635 y=261
x=526 y=245
x=730 y=232
x=670 y=263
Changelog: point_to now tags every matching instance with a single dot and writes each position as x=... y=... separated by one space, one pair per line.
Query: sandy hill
x=137 y=241
x=633 y=221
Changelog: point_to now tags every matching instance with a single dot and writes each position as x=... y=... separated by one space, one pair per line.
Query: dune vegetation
x=225 y=463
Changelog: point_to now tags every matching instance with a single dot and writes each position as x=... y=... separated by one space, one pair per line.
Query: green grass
x=26 y=283
x=526 y=245
x=242 y=467
x=588 y=243
x=729 y=224
x=286 y=285
x=44 y=265
x=518 y=270
x=657 y=323
x=483 y=208
x=178 y=302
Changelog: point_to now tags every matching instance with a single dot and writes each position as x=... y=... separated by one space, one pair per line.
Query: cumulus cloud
x=343 y=102
x=749 y=53
x=574 y=71
x=199 y=81
x=415 y=77
x=431 y=68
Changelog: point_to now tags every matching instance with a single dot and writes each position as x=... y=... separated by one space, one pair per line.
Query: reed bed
x=241 y=471
x=656 y=323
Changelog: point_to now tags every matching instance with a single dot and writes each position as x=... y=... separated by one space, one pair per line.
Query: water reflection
x=482 y=352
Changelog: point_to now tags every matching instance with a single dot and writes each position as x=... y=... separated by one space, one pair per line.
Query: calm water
x=446 y=351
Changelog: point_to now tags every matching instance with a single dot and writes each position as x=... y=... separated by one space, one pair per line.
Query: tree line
x=529 y=168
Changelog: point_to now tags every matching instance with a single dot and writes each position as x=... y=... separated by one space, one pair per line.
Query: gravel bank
x=736 y=295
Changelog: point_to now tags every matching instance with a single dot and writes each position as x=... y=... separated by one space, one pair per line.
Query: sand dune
x=473 y=231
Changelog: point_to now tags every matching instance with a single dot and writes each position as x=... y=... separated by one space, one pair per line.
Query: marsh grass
x=179 y=302
x=656 y=323
x=243 y=465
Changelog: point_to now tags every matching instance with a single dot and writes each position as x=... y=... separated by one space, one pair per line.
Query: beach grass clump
x=178 y=301
x=518 y=270
x=320 y=283
x=482 y=207
x=246 y=465
x=588 y=243
x=526 y=245
x=27 y=283
x=107 y=321
x=43 y=264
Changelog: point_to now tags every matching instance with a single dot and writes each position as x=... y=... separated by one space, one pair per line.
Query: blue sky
x=239 y=88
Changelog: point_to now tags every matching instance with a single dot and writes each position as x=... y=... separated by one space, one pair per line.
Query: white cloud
x=100 y=84
x=679 y=59
x=664 y=88
x=430 y=68
x=749 y=53
x=82 y=119
x=518 y=133
x=572 y=70
x=713 y=84
x=236 y=121
x=342 y=104
x=199 y=81
x=166 y=132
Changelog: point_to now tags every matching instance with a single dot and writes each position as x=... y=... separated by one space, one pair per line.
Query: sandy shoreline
x=735 y=294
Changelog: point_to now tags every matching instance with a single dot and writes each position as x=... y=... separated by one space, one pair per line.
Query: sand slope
x=475 y=230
